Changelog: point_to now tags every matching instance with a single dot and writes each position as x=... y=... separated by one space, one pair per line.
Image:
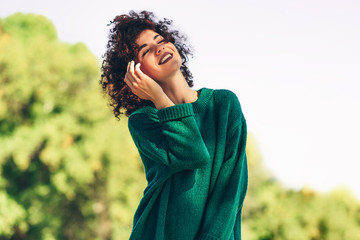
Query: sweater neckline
x=200 y=103
x=203 y=99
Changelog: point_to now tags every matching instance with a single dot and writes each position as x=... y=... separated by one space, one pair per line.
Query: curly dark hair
x=122 y=48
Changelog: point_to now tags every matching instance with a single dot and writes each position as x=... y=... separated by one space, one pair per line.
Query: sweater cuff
x=175 y=112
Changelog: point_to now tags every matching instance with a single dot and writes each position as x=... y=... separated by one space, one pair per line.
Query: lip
x=164 y=55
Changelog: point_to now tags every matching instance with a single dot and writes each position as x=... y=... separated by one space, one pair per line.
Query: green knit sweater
x=195 y=163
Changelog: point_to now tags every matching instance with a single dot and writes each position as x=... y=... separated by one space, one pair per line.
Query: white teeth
x=164 y=58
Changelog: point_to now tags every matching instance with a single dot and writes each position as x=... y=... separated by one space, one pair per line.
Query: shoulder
x=220 y=96
x=228 y=100
x=228 y=108
x=225 y=95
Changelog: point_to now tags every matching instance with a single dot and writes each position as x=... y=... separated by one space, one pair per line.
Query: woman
x=192 y=143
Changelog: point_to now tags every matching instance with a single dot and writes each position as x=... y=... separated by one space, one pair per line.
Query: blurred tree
x=272 y=212
x=68 y=169
x=29 y=26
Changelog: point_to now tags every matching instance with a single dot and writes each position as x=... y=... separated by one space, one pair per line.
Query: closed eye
x=149 y=49
x=145 y=52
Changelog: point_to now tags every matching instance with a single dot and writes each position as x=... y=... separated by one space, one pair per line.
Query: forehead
x=145 y=36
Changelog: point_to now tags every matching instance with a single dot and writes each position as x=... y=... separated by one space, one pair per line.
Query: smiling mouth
x=165 y=58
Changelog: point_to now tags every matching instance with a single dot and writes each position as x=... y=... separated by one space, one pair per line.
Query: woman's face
x=159 y=59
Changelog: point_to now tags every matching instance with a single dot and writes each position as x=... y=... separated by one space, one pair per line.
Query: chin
x=168 y=70
x=174 y=65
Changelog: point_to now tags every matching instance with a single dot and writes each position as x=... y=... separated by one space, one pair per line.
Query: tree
x=272 y=212
x=66 y=164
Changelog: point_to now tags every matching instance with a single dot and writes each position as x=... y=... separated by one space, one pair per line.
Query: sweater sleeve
x=170 y=137
x=224 y=205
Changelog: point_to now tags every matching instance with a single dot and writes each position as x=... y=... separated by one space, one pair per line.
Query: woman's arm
x=169 y=136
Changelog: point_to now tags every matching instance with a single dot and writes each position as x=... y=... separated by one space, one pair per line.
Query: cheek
x=145 y=68
x=148 y=68
x=172 y=46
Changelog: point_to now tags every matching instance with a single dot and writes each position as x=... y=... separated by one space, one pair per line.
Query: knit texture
x=195 y=164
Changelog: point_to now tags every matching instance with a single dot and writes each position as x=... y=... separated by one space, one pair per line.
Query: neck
x=177 y=89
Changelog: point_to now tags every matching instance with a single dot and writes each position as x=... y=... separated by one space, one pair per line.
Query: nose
x=159 y=48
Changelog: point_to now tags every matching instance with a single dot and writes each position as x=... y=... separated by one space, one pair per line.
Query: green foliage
x=28 y=26
x=65 y=163
x=272 y=212
x=11 y=214
x=69 y=170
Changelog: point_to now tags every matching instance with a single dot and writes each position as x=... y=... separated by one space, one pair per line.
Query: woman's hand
x=145 y=87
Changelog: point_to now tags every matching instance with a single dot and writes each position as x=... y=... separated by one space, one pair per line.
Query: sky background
x=294 y=65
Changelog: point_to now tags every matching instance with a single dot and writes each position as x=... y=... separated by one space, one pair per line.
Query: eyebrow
x=144 y=45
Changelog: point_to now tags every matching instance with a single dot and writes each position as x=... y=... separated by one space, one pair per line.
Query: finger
x=132 y=78
x=131 y=73
x=126 y=76
x=127 y=71
x=129 y=83
x=131 y=67
x=138 y=71
x=134 y=72
x=128 y=79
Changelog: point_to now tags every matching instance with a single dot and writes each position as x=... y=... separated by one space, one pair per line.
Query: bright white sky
x=295 y=66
